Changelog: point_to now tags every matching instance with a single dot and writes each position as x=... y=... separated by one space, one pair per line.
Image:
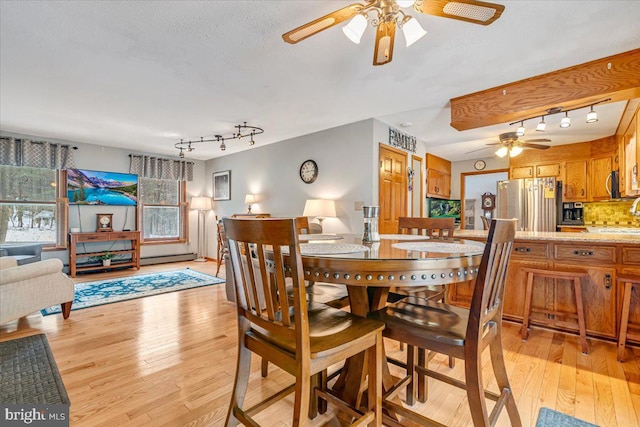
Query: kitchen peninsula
x=603 y=256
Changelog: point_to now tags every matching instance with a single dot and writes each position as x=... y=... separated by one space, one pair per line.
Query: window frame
x=61 y=210
x=183 y=209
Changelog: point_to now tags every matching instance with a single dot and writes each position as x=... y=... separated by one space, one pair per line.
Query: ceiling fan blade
x=479 y=149
x=495 y=143
x=537 y=140
x=385 y=36
x=537 y=146
x=322 y=23
x=476 y=12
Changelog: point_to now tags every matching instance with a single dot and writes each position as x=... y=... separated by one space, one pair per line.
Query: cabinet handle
x=538 y=171
x=583 y=253
x=531 y=172
x=522 y=249
x=582 y=192
x=607 y=281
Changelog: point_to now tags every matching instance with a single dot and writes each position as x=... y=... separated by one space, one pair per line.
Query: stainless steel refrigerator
x=532 y=201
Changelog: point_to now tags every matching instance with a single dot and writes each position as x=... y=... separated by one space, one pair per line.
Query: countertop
x=560 y=236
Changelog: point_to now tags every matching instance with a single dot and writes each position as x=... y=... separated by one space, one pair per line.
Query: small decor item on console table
x=105 y=222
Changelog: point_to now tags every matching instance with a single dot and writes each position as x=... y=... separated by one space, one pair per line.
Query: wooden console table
x=104 y=236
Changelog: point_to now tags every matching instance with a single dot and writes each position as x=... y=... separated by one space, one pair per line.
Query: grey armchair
x=24 y=254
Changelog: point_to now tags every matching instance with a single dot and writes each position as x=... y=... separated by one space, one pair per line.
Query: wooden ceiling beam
x=616 y=77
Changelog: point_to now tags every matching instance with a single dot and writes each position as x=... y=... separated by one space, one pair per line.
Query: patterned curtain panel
x=159 y=168
x=35 y=154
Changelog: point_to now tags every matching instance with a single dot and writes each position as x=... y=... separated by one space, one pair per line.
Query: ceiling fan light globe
x=514 y=151
x=502 y=151
x=355 y=28
x=405 y=3
x=412 y=31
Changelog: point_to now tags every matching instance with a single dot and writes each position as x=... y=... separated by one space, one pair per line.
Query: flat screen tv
x=443 y=208
x=86 y=187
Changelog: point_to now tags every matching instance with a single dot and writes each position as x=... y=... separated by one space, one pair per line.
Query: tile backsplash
x=610 y=213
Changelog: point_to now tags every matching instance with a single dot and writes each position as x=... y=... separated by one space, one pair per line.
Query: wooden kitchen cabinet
x=599 y=296
x=600 y=175
x=574 y=181
x=521 y=172
x=542 y=170
x=438 y=177
x=548 y=170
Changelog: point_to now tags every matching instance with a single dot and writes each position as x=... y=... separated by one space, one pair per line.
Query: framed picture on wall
x=222 y=185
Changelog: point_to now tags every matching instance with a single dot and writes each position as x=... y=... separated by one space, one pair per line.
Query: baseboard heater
x=162 y=259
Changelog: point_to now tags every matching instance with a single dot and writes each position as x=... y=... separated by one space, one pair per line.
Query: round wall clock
x=480 y=165
x=308 y=171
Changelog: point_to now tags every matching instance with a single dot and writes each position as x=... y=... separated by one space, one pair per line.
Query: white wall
x=457 y=168
x=102 y=158
x=346 y=163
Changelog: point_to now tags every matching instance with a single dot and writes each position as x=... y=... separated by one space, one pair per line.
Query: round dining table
x=370 y=270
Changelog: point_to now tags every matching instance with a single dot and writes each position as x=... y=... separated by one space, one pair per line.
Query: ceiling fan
x=388 y=14
x=512 y=145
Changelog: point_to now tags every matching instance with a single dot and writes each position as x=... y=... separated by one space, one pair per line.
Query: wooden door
x=392 y=193
x=575 y=181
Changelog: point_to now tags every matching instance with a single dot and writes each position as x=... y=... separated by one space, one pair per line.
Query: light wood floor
x=169 y=360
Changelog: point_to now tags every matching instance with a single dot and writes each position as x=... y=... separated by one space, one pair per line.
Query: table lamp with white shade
x=249 y=199
x=201 y=204
x=320 y=208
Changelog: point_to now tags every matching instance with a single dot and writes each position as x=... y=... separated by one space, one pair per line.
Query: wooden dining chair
x=462 y=333
x=435 y=229
x=302 y=339
x=222 y=245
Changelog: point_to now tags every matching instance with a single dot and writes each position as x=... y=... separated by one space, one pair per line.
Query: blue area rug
x=550 y=418
x=125 y=288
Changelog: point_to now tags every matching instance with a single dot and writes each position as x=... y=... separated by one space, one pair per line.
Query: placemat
x=28 y=372
x=438 y=247
x=331 y=248
x=403 y=237
x=307 y=237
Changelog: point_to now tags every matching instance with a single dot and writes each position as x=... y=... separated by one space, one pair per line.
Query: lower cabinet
x=598 y=296
x=516 y=286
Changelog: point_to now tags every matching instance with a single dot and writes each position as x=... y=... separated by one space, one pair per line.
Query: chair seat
x=330 y=330
x=424 y=320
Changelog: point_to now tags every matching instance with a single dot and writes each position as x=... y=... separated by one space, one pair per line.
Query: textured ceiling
x=142 y=75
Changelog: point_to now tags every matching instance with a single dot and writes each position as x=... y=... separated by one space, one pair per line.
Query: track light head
x=592 y=116
x=542 y=126
x=566 y=121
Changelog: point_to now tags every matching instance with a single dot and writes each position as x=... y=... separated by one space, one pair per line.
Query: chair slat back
x=436 y=228
x=302 y=225
x=257 y=249
x=487 y=300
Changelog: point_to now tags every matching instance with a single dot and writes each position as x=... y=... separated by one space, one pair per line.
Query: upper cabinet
x=584 y=168
x=574 y=181
x=438 y=177
x=629 y=152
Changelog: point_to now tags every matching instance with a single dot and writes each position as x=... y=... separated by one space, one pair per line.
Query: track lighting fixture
x=592 y=116
x=248 y=130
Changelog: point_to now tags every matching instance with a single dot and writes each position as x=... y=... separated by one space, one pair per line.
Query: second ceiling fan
x=388 y=14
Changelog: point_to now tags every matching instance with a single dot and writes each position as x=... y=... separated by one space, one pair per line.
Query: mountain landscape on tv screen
x=101 y=188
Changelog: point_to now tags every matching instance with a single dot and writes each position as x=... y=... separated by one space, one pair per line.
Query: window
x=163 y=207
x=28 y=210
